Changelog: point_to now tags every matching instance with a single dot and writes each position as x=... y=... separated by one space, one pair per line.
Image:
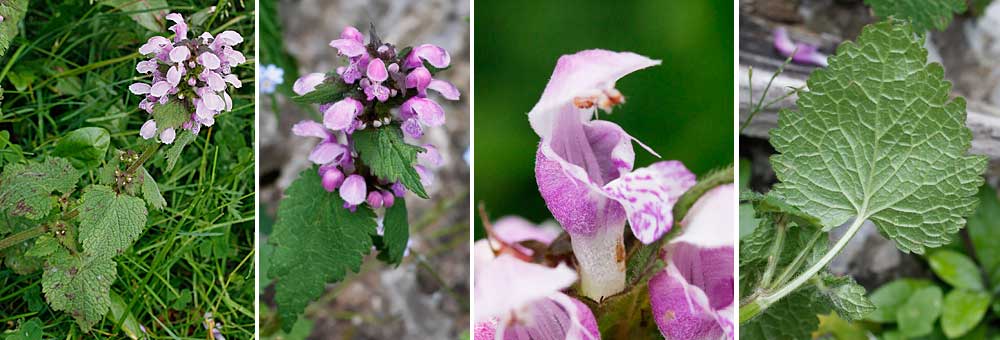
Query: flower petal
x=160 y=89
x=579 y=74
x=308 y=83
x=513 y=230
x=349 y=47
x=209 y=60
x=167 y=136
x=433 y=54
x=648 y=196
x=229 y=38
x=174 y=75
x=693 y=297
x=179 y=54
x=308 y=128
x=139 y=88
x=154 y=45
x=419 y=78
x=148 y=129
x=353 y=190
x=446 y=89
x=327 y=152
x=708 y=221
x=557 y=317
x=376 y=70
x=352 y=33
x=427 y=111
x=507 y=284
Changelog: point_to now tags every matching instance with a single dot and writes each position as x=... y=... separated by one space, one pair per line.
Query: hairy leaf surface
x=109 y=222
x=878 y=138
x=12 y=11
x=389 y=157
x=924 y=14
x=25 y=188
x=397 y=232
x=79 y=285
x=316 y=241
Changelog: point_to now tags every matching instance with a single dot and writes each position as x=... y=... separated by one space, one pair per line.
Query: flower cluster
x=379 y=87
x=194 y=73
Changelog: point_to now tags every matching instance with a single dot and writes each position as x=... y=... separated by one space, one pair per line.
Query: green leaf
x=25 y=188
x=877 y=138
x=109 y=222
x=151 y=191
x=793 y=317
x=16 y=258
x=923 y=14
x=147 y=13
x=916 y=317
x=888 y=298
x=44 y=247
x=326 y=92
x=121 y=314
x=962 y=311
x=79 y=285
x=316 y=241
x=839 y=329
x=848 y=297
x=389 y=157
x=171 y=115
x=748 y=222
x=29 y=330
x=956 y=269
x=984 y=230
x=174 y=152
x=397 y=232
x=12 y=11
x=84 y=147
x=301 y=330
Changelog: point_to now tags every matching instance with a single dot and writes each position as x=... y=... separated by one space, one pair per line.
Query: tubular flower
x=192 y=73
x=531 y=305
x=584 y=168
x=692 y=298
x=379 y=87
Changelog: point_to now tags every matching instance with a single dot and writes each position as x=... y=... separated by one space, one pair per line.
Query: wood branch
x=983 y=120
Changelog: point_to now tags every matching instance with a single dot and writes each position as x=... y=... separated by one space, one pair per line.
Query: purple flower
x=374 y=74
x=353 y=190
x=270 y=77
x=172 y=65
x=693 y=297
x=806 y=54
x=584 y=168
x=521 y=300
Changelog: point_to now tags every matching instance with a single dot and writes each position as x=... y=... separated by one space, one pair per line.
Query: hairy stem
x=797 y=262
x=23 y=236
x=774 y=254
x=709 y=182
x=755 y=306
x=145 y=156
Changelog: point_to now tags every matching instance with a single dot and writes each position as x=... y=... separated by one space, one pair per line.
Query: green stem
x=774 y=254
x=797 y=262
x=23 y=236
x=145 y=156
x=763 y=96
x=761 y=303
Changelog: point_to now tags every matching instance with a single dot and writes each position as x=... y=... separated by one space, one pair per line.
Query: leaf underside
x=316 y=241
x=878 y=138
x=397 y=233
x=12 y=11
x=174 y=152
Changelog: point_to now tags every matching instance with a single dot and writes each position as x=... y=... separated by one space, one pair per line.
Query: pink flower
x=584 y=167
x=693 y=297
x=805 y=54
x=522 y=300
x=171 y=81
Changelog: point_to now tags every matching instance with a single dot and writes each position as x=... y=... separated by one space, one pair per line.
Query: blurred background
x=683 y=108
x=426 y=297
